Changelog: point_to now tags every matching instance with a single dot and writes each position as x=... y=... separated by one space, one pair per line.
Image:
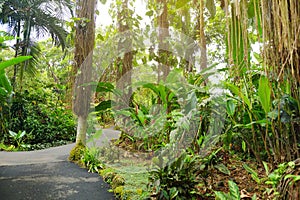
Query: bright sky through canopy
x=104 y=19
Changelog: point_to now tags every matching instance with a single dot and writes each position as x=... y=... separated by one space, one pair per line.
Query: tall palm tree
x=28 y=17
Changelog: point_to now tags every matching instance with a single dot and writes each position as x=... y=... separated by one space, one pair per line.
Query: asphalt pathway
x=47 y=175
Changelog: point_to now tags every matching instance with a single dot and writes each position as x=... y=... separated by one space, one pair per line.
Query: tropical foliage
x=26 y=18
x=206 y=89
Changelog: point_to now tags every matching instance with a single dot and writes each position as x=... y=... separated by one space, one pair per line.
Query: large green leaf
x=221 y=196
x=236 y=90
x=253 y=173
x=173 y=193
x=234 y=190
x=141 y=117
x=3 y=92
x=230 y=107
x=104 y=105
x=124 y=112
x=105 y=87
x=159 y=90
x=5 y=38
x=5 y=83
x=13 y=61
x=222 y=168
x=264 y=93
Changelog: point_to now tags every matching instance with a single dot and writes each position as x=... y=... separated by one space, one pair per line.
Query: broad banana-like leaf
x=5 y=83
x=237 y=91
x=12 y=62
x=264 y=93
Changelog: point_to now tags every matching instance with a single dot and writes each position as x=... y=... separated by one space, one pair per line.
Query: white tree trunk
x=81 y=130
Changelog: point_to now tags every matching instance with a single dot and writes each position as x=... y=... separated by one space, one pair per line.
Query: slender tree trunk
x=163 y=44
x=16 y=55
x=25 y=48
x=202 y=39
x=82 y=68
x=124 y=64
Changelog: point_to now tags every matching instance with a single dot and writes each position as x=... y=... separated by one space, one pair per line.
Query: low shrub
x=44 y=123
x=77 y=152
x=177 y=180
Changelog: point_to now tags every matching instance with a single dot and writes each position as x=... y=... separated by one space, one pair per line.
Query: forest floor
x=134 y=167
x=248 y=186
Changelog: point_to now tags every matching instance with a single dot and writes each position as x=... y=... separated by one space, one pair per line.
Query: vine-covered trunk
x=124 y=64
x=163 y=44
x=202 y=39
x=82 y=68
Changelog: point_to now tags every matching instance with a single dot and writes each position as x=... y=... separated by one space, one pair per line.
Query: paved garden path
x=47 y=175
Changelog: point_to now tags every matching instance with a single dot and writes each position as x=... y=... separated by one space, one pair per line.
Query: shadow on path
x=47 y=175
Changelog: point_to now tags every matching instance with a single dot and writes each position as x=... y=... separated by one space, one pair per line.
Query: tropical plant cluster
x=260 y=103
x=34 y=114
x=216 y=86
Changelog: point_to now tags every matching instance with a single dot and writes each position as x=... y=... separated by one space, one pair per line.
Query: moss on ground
x=77 y=152
x=129 y=182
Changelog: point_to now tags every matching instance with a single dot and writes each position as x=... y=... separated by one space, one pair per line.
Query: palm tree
x=42 y=17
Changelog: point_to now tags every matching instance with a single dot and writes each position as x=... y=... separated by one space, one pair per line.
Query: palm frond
x=30 y=67
x=51 y=25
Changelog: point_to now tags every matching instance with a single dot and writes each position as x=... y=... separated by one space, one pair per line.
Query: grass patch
x=134 y=172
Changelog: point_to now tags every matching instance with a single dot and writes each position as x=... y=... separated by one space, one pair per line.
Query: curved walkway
x=46 y=174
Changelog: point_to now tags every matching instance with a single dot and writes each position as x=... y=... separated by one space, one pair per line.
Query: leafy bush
x=43 y=122
x=176 y=180
x=6 y=89
x=37 y=110
x=264 y=116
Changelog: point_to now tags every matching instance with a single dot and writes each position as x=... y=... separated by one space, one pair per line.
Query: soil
x=218 y=181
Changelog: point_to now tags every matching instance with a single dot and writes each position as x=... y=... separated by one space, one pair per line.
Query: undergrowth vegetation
x=35 y=115
x=210 y=109
x=197 y=135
